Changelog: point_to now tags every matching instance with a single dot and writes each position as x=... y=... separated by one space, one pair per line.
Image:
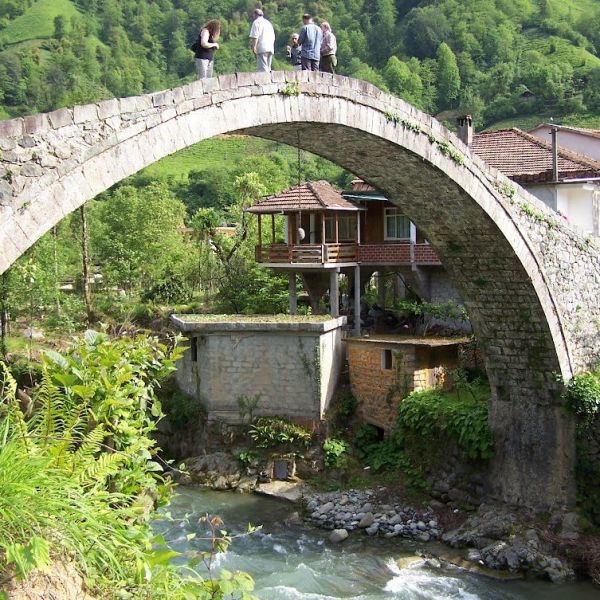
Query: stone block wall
x=380 y=389
x=294 y=372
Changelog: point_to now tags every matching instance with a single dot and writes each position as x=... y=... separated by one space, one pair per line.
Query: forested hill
x=506 y=61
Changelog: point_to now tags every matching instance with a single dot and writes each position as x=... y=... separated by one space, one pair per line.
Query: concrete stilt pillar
x=357 y=300
x=334 y=293
x=293 y=293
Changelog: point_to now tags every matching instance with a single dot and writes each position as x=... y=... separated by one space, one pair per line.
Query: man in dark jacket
x=310 y=39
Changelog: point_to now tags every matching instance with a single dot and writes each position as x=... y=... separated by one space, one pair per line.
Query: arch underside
x=503 y=305
x=502 y=302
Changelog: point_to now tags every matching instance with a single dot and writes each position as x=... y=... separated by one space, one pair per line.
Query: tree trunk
x=56 y=272
x=85 y=255
x=3 y=312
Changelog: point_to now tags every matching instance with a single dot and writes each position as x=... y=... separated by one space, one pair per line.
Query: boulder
x=366 y=521
x=338 y=535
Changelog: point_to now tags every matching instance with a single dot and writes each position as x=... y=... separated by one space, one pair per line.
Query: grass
x=561 y=50
x=37 y=22
x=212 y=153
x=254 y=318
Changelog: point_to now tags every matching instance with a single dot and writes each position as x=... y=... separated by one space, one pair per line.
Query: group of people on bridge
x=314 y=48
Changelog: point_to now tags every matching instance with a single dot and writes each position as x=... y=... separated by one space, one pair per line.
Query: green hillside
x=37 y=22
x=440 y=55
x=213 y=154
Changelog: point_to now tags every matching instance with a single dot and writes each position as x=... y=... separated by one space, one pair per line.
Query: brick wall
x=397 y=254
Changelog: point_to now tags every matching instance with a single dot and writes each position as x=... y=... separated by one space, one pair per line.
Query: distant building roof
x=314 y=196
x=594 y=133
x=527 y=159
x=358 y=185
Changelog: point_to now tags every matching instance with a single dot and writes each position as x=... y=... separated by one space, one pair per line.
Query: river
x=291 y=562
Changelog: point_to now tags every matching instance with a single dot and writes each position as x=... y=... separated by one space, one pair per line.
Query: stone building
x=290 y=365
x=385 y=368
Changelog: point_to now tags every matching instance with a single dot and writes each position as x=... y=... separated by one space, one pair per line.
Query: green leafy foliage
x=364 y=438
x=582 y=395
x=35 y=554
x=88 y=446
x=246 y=457
x=582 y=398
x=335 y=452
x=433 y=414
x=423 y=314
x=247 y=405
x=269 y=432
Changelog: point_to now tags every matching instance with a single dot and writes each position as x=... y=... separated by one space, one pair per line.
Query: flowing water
x=291 y=562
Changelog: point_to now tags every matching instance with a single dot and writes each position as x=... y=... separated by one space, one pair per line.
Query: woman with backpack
x=204 y=48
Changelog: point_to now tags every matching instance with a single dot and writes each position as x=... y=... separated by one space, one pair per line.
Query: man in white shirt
x=262 y=41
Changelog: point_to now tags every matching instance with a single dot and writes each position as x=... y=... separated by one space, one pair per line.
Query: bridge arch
x=529 y=282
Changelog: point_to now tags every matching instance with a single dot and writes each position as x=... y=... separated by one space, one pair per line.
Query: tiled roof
x=315 y=196
x=528 y=159
x=358 y=185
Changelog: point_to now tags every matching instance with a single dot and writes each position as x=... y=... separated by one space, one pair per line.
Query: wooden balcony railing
x=401 y=254
x=306 y=253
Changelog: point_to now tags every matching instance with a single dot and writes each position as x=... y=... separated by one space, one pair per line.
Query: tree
x=591 y=92
x=448 y=77
x=4 y=310
x=140 y=239
x=85 y=263
x=242 y=286
x=60 y=27
x=423 y=31
x=403 y=82
x=383 y=30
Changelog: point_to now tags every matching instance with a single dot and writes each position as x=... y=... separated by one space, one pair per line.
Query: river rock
x=366 y=521
x=338 y=535
x=221 y=483
x=570 y=527
x=373 y=529
x=326 y=507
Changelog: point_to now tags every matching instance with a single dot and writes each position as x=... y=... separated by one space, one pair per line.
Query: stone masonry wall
x=380 y=390
x=294 y=373
x=371 y=384
x=530 y=283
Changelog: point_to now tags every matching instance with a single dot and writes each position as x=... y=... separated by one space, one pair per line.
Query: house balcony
x=306 y=254
x=392 y=254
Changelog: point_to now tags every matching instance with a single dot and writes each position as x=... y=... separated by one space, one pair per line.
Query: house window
x=194 y=349
x=397 y=226
x=347 y=228
x=386 y=360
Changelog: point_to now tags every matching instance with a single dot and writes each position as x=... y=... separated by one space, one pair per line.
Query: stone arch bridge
x=530 y=284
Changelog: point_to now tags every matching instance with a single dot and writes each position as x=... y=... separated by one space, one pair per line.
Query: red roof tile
x=315 y=196
x=528 y=159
